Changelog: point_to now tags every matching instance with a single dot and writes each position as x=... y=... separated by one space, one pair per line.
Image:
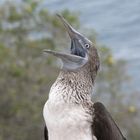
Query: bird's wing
x=104 y=127
x=46 y=133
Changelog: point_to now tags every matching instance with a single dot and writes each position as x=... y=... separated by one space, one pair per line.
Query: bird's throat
x=71 y=87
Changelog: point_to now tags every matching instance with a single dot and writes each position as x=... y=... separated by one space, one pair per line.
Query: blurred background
x=29 y=26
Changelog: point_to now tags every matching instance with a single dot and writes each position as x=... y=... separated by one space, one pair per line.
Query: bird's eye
x=87 y=46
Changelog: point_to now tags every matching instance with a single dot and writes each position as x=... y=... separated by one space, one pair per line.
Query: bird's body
x=69 y=112
x=69 y=117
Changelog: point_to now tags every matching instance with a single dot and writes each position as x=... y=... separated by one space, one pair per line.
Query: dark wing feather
x=104 y=127
x=46 y=133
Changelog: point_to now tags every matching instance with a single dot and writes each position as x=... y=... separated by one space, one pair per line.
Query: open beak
x=77 y=57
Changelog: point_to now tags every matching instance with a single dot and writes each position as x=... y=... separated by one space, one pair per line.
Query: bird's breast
x=66 y=120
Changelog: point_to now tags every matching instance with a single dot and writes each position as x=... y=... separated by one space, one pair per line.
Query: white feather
x=66 y=121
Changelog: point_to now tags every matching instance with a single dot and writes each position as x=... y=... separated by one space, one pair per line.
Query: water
x=117 y=23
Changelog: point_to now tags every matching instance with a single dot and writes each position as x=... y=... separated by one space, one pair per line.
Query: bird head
x=83 y=53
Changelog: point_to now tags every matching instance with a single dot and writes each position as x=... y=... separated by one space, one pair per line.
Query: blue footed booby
x=69 y=112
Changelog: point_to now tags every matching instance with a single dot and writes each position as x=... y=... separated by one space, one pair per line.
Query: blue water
x=117 y=23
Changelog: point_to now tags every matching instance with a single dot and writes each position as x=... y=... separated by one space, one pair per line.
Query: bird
x=70 y=113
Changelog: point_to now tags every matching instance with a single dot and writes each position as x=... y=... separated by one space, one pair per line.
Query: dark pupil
x=87 y=45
